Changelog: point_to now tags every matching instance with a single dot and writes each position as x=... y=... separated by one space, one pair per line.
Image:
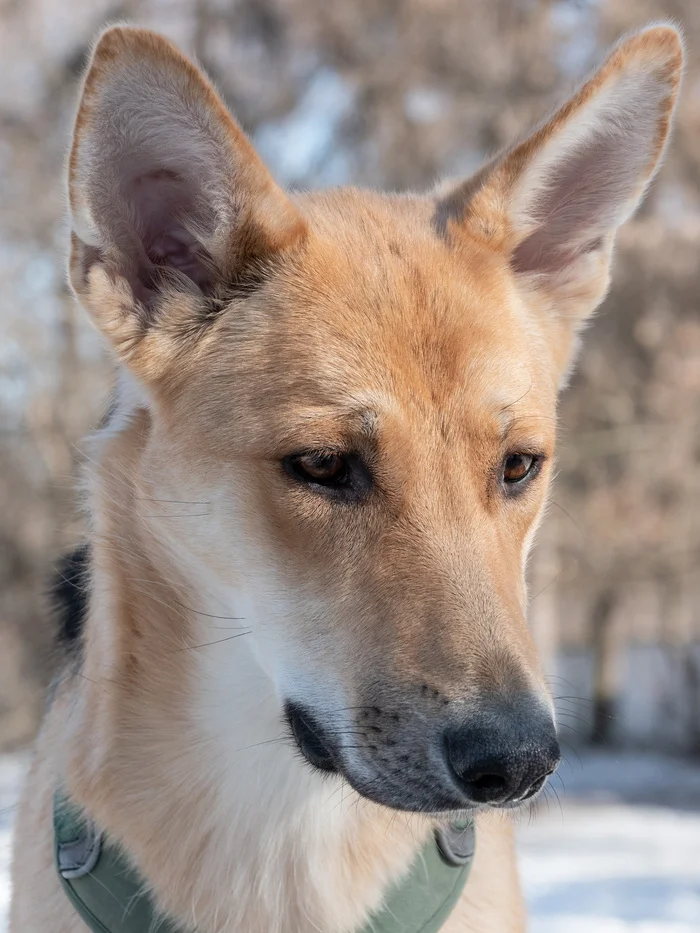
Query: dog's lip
x=310 y=738
x=317 y=749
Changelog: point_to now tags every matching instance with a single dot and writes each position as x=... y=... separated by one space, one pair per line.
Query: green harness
x=108 y=893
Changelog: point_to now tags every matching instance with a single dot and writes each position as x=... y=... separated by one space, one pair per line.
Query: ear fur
x=553 y=202
x=170 y=204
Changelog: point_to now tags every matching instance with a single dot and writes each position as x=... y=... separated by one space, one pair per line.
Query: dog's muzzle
x=494 y=752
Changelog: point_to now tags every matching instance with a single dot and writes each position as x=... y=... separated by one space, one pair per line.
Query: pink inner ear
x=584 y=198
x=162 y=207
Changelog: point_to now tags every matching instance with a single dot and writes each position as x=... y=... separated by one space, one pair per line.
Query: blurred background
x=395 y=94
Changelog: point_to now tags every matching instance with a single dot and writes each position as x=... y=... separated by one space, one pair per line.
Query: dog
x=297 y=640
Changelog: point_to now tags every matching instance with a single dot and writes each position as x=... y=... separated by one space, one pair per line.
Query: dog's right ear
x=170 y=204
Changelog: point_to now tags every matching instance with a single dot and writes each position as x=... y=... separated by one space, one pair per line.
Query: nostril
x=484 y=781
x=489 y=786
x=533 y=788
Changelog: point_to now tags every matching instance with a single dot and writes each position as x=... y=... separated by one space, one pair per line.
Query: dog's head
x=362 y=390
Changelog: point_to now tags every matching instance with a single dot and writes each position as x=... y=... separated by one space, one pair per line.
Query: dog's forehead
x=379 y=302
x=377 y=314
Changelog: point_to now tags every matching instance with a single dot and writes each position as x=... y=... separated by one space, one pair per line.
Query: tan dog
x=311 y=507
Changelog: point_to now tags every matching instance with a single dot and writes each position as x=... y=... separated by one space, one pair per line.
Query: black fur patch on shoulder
x=70 y=592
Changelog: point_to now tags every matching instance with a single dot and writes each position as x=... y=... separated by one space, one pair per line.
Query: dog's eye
x=518 y=467
x=345 y=477
x=321 y=468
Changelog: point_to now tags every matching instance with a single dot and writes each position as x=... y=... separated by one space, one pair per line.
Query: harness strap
x=111 y=897
x=105 y=890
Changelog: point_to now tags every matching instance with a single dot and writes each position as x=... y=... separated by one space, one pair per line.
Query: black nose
x=503 y=754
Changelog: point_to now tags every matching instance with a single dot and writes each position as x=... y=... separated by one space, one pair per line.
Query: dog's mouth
x=420 y=787
x=319 y=751
x=310 y=738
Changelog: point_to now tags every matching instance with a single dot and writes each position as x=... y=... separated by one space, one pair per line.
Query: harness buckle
x=456 y=842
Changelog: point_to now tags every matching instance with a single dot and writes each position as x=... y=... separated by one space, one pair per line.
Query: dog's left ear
x=553 y=203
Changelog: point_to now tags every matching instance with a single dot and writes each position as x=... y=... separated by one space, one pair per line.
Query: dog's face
x=362 y=389
x=374 y=428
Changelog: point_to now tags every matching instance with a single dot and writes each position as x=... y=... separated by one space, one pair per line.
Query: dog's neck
x=177 y=748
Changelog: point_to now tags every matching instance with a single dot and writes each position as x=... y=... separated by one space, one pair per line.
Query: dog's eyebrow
x=368 y=421
x=531 y=435
x=507 y=423
x=361 y=417
x=332 y=425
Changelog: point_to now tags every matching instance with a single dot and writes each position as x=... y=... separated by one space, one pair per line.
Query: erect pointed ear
x=553 y=202
x=170 y=205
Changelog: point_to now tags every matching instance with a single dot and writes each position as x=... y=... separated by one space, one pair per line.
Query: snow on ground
x=12 y=768
x=621 y=855
x=613 y=868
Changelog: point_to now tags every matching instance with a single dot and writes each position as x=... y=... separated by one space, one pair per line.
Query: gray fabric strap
x=105 y=890
x=110 y=897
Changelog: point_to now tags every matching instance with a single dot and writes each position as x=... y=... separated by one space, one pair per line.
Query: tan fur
x=416 y=331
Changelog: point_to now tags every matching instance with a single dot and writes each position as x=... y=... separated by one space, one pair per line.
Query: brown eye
x=343 y=477
x=324 y=469
x=517 y=467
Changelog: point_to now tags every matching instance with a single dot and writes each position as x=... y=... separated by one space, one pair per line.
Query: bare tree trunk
x=607 y=649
